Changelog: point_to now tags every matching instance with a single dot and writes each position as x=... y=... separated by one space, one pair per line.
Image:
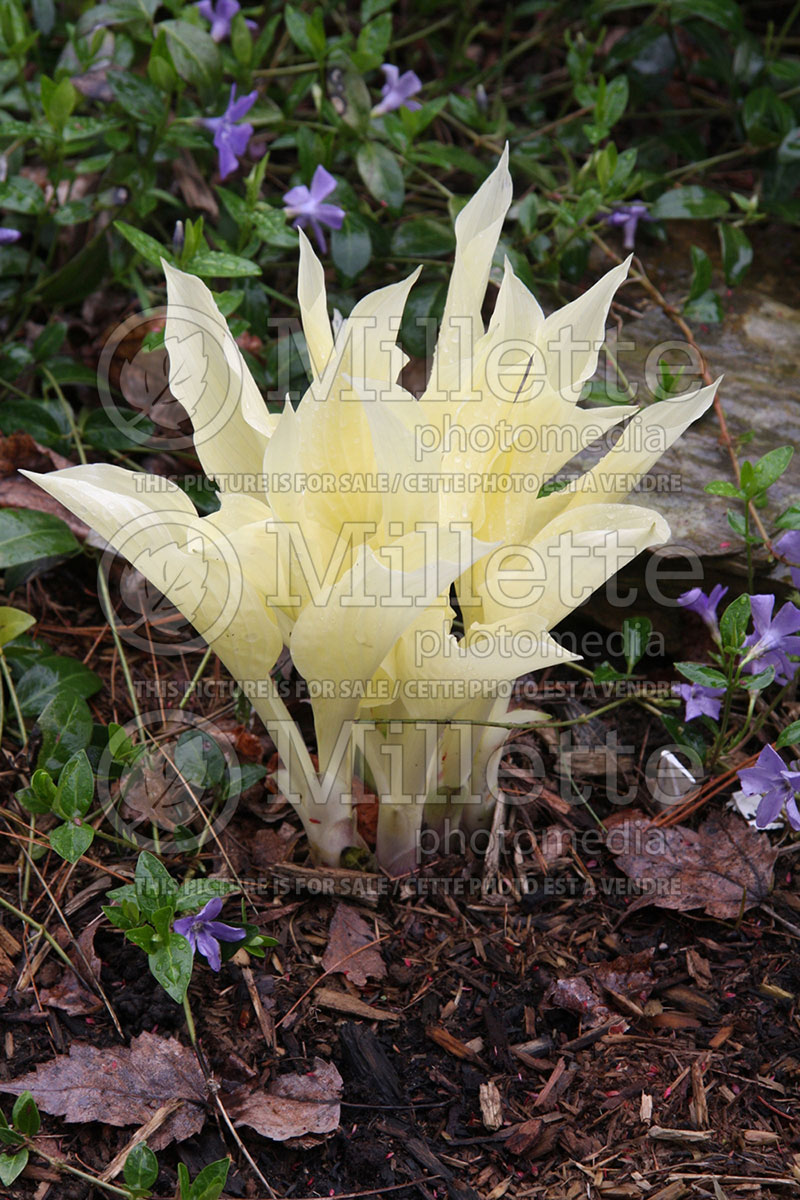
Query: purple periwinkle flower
x=231 y=138
x=628 y=217
x=220 y=13
x=776 y=784
x=396 y=91
x=789 y=546
x=307 y=206
x=773 y=640
x=700 y=701
x=204 y=933
x=7 y=236
x=697 y=601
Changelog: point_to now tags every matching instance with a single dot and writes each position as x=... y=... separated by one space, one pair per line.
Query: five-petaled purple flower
x=697 y=601
x=772 y=642
x=397 y=90
x=307 y=206
x=628 y=217
x=776 y=784
x=204 y=933
x=700 y=701
x=231 y=138
x=221 y=13
x=789 y=546
x=7 y=236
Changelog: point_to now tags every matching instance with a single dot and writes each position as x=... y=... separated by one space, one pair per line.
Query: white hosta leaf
x=210 y=378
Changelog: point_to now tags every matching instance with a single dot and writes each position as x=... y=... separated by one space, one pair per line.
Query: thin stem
x=60 y=1165
x=126 y=671
x=195 y=678
x=40 y=929
x=23 y=733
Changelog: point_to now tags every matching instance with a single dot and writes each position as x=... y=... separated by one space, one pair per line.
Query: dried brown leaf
x=70 y=996
x=348 y=931
x=120 y=1085
x=295 y=1105
x=722 y=867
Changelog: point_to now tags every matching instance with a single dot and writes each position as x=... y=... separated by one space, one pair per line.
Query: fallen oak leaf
x=121 y=1085
x=723 y=867
x=351 y=950
x=293 y=1106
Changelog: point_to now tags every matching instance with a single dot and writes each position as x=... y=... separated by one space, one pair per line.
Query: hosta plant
x=408 y=552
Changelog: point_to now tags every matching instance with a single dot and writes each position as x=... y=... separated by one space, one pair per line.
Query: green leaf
x=688 y=202
x=373 y=42
x=635 y=636
x=737 y=253
x=733 y=623
x=421 y=317
x=143 y=936
x=789 y=518
x=75 y=787
x=210 y=263
x=58 y=100
x=161 y=920
x=195 y=55
x=790 y=736
x=726 y=14
x=382 y=174
x=12 y=1165
x=705 y=676
x=789 y=149
x=25 y=1115
x=770 y=467
x=137 y=97
x=209 y=1183
x=41 y=419
x=44 y=788
x=766 y=118
x=351 y=246
x=199 y=759
x=71 y=840
x=148 y=247
x=307 y=31
x=757 y=683
x=27 y=535
x=51 y=675
x=706 y=308
x=171 y=965
x=66 y=726
x=197 y=892
x=701 y=272
x=737 y=522
x=141 y=1167
x=13 y=622
x=49 y=341
x=44 y=15
x=423 y=238
x=271 y=225
x=153 y=882
x=721 y=487
x=22 y=195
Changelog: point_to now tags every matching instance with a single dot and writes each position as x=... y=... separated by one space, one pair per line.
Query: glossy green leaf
x=66 y=726
x=688 y=203
x=26 y=535
x=737 y=252
x=13 y=622
x=71 y=840
x=171 y=965
x=705 y=676
x=141 y=1167
x=382 y=174
x=195 y=55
